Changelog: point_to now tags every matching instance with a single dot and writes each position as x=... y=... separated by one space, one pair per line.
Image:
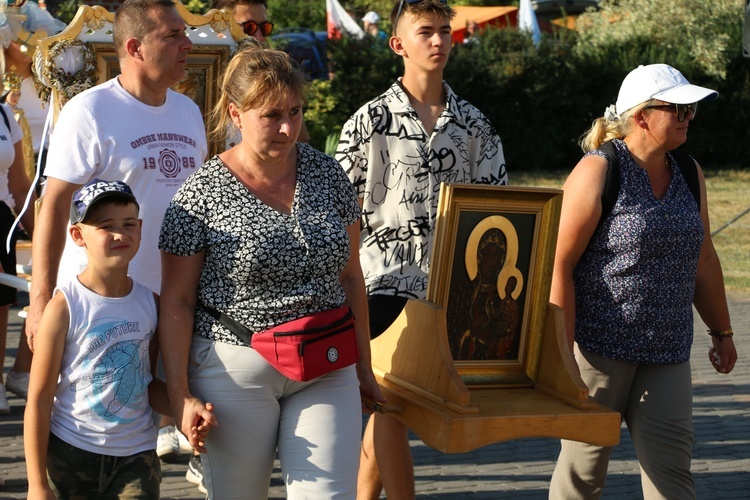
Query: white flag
x=339 y=20
x=527 y=21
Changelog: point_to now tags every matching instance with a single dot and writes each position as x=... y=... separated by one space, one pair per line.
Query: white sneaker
x=4 y=406
x=194 y=473
x=18 y=383
x=185 y=447
x=167 y=446
x=170 y=444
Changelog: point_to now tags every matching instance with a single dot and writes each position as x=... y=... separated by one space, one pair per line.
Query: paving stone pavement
x=518 y=469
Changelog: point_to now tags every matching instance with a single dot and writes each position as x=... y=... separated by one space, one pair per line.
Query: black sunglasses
x=250 y=27
x=682 y=110
x=401 y=6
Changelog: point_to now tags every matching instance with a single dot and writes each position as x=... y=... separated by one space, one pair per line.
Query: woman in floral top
x=628 y=277
x=265 y=233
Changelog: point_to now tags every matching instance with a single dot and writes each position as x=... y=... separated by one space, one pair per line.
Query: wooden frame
x=538 y=394
x=494 y=247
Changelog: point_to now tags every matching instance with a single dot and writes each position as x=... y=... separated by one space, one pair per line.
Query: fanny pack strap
x=235 y=327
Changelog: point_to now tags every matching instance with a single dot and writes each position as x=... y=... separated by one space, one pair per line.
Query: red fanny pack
x=305 y=348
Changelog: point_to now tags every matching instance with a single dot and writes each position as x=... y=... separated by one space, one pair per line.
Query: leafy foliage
x=363 y=69
x=696 y=30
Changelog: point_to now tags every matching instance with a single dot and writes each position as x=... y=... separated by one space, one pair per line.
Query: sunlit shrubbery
x=700 y=29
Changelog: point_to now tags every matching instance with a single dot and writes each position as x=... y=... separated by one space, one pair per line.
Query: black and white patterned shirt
x=263 y=267
x=397 y=169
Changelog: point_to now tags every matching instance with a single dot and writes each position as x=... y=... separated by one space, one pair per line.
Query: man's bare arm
x=46 y=249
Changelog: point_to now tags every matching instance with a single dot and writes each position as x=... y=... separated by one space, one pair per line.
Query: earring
x=643 y=135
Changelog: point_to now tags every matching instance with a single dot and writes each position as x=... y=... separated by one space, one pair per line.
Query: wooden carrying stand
x=413 y=363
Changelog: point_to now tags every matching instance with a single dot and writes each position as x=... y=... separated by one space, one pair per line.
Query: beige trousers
x=656 y=403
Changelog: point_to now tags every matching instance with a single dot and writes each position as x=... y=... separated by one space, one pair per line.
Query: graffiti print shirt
x=397 y=170
x=101 y=404
x=105 y=132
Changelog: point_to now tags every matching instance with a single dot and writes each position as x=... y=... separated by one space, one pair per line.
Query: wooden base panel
x=502 y=415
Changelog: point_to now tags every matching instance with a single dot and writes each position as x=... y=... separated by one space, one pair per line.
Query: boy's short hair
x=93 y=195
x=420 y=9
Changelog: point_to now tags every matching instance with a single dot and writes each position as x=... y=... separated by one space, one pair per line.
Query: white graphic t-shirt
x=397 y=170
x=101 y=404
x=106 y=133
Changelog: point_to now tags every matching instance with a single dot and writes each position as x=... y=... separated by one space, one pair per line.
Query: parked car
x=307 y=47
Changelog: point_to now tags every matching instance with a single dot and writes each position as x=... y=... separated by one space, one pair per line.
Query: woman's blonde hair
x=255 y=77
x=610 y=126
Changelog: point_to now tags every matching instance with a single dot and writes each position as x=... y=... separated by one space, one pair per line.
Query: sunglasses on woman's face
x=410 y=2
x=250 y=27
x=681 y=110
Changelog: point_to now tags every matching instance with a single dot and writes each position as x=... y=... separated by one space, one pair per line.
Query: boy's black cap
x=94 y=190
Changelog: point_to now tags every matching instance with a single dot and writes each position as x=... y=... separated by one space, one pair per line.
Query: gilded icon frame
x=495 y=316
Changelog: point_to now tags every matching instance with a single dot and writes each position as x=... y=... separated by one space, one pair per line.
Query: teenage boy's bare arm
x=45 y=370
x=49 y=241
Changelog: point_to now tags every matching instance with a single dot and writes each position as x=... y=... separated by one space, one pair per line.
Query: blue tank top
x=635 y=281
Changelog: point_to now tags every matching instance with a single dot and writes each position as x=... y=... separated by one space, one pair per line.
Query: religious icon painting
x=491 y=269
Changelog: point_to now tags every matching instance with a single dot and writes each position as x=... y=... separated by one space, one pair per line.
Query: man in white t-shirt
x=132 y=128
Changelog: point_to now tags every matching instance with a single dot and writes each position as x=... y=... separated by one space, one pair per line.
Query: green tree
x=698 y=31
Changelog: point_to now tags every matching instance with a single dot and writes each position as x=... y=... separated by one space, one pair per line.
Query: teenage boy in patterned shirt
x=397 y=149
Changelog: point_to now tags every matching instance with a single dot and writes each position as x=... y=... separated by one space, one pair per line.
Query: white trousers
x=315 y=425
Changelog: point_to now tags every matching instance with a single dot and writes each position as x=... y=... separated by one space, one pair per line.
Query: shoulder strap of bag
x=685 y=163
x=5 y=117
x=236 y=328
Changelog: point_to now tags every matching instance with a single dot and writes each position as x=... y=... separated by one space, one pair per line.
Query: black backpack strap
x=611 y=180
x=685 y=163
x=5 y=117
x=689 y=170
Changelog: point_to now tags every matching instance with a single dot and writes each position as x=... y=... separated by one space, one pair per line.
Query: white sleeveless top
x=101 y=404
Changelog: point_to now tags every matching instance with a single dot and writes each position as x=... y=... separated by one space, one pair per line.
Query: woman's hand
x=723 y=355
x=196 y=421
x=372 y=398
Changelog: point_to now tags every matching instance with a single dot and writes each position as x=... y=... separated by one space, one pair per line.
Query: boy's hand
x=40 y=493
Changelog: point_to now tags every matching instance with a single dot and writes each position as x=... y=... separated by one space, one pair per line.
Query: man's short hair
x=231 y=4
x=133 y=20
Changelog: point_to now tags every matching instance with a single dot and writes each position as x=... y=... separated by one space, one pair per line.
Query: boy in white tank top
x=88 y=425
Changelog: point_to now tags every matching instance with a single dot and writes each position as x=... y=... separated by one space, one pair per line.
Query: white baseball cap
x=659 y=81
x=371 y=17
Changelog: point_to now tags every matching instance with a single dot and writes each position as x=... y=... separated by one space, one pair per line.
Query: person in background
x=32 y=19
x=134 y=129
x=370 y=23
x=472 y=33
x=628 y=277
x=264 y=233
x=252 y=15
x=397 y=149
x=14 y=184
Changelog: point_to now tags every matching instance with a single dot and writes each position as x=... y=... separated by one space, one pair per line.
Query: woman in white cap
x=632 y=258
